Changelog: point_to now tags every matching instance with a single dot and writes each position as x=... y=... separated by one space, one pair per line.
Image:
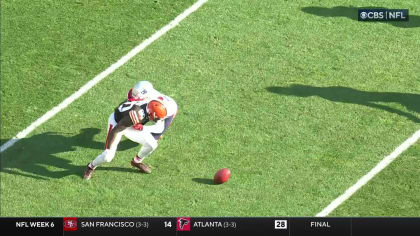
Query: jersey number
x=125 y=106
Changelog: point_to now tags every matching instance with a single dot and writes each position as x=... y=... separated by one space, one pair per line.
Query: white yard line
x=102 y=75
x=378 y=168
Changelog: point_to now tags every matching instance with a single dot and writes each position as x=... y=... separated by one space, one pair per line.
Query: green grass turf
x=394 y=192
x=49 y=49
x=299 y=105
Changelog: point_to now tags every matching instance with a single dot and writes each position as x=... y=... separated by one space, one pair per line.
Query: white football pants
x=145 y=138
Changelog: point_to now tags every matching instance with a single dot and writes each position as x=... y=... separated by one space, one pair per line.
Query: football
x=221 y=176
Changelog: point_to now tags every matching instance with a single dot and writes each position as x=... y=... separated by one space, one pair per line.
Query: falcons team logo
x=183 y=224
x=70 y=224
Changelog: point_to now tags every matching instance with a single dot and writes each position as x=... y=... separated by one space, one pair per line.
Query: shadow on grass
x=204 y=181
x=354 y=96
x=352 y=13
x=36 y=156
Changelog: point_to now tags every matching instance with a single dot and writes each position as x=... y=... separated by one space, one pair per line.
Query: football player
x=129 y=119
x=144 y=91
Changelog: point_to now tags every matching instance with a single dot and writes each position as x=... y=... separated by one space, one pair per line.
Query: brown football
x=221 y=176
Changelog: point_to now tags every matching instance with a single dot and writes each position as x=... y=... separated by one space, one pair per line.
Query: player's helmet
x=156 y=110
x=140 y=91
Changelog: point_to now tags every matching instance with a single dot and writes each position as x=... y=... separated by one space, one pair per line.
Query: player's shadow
x=349 y=95
x=38 y=156
x=352 y=13
x=204 y=181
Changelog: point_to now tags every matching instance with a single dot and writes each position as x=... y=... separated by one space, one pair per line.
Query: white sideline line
x=102 y=75
x=378 y=168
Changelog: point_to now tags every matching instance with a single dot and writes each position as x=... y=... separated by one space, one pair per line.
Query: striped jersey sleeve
x=136 y=115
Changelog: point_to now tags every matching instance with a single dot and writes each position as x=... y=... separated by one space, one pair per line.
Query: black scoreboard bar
x=220 y=226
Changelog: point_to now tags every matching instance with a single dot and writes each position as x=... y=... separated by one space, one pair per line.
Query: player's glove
x=138 y=127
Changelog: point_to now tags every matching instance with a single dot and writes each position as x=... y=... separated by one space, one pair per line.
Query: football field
x=299 y=99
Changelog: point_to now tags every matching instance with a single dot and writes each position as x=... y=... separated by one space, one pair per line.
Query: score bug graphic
x=183 y=223
x=280 y=224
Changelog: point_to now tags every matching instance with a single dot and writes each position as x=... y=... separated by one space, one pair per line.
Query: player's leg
x=108 y=154
x=149 y=144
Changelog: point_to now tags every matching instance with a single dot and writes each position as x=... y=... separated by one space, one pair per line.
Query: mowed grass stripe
x=102 y=75
x=370 y=175
x=394 y=192
x=50 y=49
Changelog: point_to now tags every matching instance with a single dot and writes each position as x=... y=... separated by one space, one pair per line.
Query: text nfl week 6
x=35 y=224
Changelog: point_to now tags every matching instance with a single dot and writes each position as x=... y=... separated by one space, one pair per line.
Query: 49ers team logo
x=70 y=224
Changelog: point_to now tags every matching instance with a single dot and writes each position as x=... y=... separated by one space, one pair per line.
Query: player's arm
x=134 y=117
x=157 y=128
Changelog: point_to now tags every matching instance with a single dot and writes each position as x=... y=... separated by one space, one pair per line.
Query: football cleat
x=88 y=173
x=142 y=167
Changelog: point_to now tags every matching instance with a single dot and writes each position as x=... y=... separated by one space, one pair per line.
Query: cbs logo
x=371 y=15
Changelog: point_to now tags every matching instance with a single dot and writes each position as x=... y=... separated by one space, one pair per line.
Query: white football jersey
x=171 y=110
